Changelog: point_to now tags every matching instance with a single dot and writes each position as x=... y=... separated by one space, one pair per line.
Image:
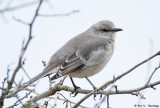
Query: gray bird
x=84 y=55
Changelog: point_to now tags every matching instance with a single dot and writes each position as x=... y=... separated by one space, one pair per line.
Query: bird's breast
x=99 y=56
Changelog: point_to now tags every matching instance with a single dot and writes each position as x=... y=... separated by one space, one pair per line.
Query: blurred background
x=140 y=20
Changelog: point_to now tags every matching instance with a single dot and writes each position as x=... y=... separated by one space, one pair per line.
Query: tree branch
x=25 y=47
x=7 y=9
x=59 y=87
x=152 y=74
x=19 y=100
x=20 y=61
x=59 y=14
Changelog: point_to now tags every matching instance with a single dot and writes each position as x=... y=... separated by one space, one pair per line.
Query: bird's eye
x=103 y=30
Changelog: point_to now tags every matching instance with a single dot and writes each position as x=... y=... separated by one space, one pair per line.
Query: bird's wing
x=71 y=64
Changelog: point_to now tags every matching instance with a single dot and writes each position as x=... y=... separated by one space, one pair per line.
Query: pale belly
x=87 y=71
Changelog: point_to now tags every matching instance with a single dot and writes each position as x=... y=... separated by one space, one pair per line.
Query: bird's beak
x=117 y=29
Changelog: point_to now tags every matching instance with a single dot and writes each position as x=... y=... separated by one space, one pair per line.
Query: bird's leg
x=93 y=87
x=75 y=87
x=90 y=83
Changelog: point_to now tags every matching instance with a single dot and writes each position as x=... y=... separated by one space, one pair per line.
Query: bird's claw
x=74 y=91
x=100 y=97
x=95 y=95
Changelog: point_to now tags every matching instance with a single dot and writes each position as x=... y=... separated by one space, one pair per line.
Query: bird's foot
x=94 y=96
x=74 y=92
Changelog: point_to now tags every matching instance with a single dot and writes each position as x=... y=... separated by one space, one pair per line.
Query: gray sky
x=140 y=39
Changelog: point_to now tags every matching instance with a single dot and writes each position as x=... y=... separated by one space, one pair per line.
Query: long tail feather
x=39 y=76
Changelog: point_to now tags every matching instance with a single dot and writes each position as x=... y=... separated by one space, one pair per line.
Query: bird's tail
x=37 y=77
x=44 y=74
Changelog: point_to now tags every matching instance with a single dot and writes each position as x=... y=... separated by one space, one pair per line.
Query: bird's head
x=105 y=29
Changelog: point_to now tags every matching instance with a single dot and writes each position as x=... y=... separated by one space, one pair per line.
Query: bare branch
x=25 y=47
x=71 y=102
x=25 y=72
x=62 y=80
x=50 y=82
x=19 y=100
x=4 y=80
x=52 y=91
x=59 y=87
x=7 y=9
x=153 y=74
x=60 y=14
x=19 y=20
x=65 y=101
x=20 y=61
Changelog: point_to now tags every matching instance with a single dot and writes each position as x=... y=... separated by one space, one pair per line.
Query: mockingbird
x=84 y=55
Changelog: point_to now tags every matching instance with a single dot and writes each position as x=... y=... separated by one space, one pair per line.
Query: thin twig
x=58 y=15
x=50 y=81
x=18 y=6
x=19 y=20
x=62 y=81
x=25 y=72
x=153 y=74
x=19 y=100
x=52 y=91
x=65 y=101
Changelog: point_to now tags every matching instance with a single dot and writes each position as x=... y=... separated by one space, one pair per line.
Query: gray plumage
x=84 y=55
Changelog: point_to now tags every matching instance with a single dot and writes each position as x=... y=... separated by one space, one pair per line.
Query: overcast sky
x=140 y=20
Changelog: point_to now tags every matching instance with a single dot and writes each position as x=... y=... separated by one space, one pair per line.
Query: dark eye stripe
x=104 y=30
